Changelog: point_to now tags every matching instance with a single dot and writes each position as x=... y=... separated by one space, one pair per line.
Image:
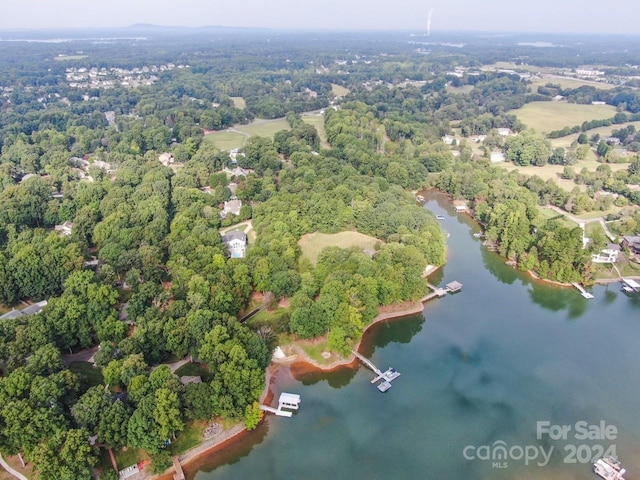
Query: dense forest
x=143 y=275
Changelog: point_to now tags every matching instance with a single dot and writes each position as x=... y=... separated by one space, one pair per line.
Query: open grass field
x=264 y=128
x=317 y=120
x=226 y=140
x=548 y=214
x=339 y=90
x=566 y=82
x=547 y=116
x=462 y=89
x=239 y=102
x=602 y=131
x=313 y=243
x=554 y=171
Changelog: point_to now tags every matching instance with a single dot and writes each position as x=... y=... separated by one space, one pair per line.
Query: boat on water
x=478 y=235
x=440 y=217
x=608 y=468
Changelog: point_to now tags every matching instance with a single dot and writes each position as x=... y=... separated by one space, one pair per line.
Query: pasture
x=226 y=140
x=567 y=82
x=547 y=116
x=313 y=243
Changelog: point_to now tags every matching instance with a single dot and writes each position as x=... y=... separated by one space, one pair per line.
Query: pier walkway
x=583 y=292
x=387 y=377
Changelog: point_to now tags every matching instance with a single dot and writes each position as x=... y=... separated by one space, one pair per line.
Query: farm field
x=313 y=243
x=547 y=116
x=265 y=128
x=239 y=102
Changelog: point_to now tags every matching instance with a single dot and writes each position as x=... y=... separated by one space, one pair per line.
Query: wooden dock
x=179 y=475
x=387 y=377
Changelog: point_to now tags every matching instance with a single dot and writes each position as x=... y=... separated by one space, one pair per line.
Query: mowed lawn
x=317 y=120
x=226 y=140
x=313 y=243
x=237 y=136
x=547 y=116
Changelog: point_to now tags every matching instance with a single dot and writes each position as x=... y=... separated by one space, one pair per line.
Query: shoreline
x=239 y=430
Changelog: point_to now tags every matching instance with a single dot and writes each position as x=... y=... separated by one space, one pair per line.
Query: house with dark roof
x=236 y=243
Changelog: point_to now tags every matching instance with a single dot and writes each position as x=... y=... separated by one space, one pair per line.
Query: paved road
x=82 y=356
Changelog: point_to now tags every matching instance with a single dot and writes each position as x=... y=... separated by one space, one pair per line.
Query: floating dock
x=583 y=292
x=387 y=377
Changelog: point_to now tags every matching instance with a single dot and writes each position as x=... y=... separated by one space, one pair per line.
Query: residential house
x=231 y=207
x=64 y=230
x=504 y=132
x=33 y=309
x=632 y=242
x=236 y=243
x=497 y=157
x=166 y=159
x=448 y=139
x=607 y=255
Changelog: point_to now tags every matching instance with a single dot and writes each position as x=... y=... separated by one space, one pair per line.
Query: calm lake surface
x=479 y=367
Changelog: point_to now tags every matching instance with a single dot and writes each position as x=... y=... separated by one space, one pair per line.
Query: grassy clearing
x=549 y=214
x=189 y=438
x=127 y=458
x=226 y=140
x=339 y=90
x=265 y=128
x=317 y=121
x=598 y=213
x=239 y=102
x=566 y=82
x=462 y=89
x=314 y=351
x=554 y=171
x=312 y=244
x=547 y=116
x=89 y=375
x=602 y=131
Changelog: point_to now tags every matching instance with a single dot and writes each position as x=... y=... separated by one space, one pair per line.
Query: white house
x=448 y=139
x=607 y=255
x=236 y=243
x=497 y=157
x=166 y=159
x=504 y=132
x=64 y=229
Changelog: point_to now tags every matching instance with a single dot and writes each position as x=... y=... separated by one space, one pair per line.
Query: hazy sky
x=613 y=16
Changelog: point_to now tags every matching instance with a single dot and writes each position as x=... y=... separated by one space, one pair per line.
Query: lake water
x=478 y=367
